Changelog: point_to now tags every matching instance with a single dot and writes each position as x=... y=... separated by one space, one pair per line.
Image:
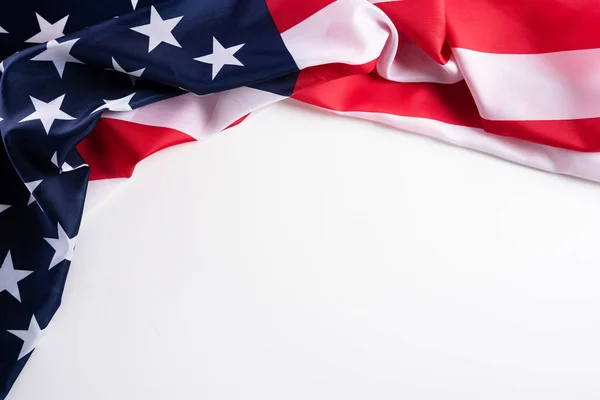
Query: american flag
x=89 y=89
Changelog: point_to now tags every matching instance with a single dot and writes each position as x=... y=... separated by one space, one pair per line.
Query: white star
x=54 y=159
x=159 y=30
x=221 y=56
x=66 y=167
x=121 y=104
x=10 y=277
x=134 y=3
x=2 y=30
x=3 y=207
x=63 y=247
x=48 y=31
x=48 y=112
x=31 y=186
x=132 y=74
x=30 y=337
x=58 y=53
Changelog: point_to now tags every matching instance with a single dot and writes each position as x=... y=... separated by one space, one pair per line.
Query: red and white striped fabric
x=516 y=79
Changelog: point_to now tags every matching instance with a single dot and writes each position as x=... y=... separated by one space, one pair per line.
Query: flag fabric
x=89 y=89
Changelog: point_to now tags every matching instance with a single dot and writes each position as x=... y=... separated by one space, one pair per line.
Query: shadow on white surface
x=308 y=256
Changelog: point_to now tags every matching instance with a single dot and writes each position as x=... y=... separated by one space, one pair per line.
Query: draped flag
x=88 y=89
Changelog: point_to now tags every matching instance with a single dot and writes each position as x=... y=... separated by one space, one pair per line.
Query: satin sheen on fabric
x=528 y=101
x=517 y=80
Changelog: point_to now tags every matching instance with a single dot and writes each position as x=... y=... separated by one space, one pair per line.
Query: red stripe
x=574 y=134
x=452 y=104
x=320 y=74
x=523 y=26
x=114 y=147
x=424 y=22
x=287 y=14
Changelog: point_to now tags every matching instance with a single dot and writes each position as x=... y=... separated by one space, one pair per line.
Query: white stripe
x=199 y=116
x=345 y=31
x=551 y=159
x=551 y=86
x=356 y=32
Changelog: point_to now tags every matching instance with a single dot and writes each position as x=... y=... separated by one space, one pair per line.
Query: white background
x=303 y=255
